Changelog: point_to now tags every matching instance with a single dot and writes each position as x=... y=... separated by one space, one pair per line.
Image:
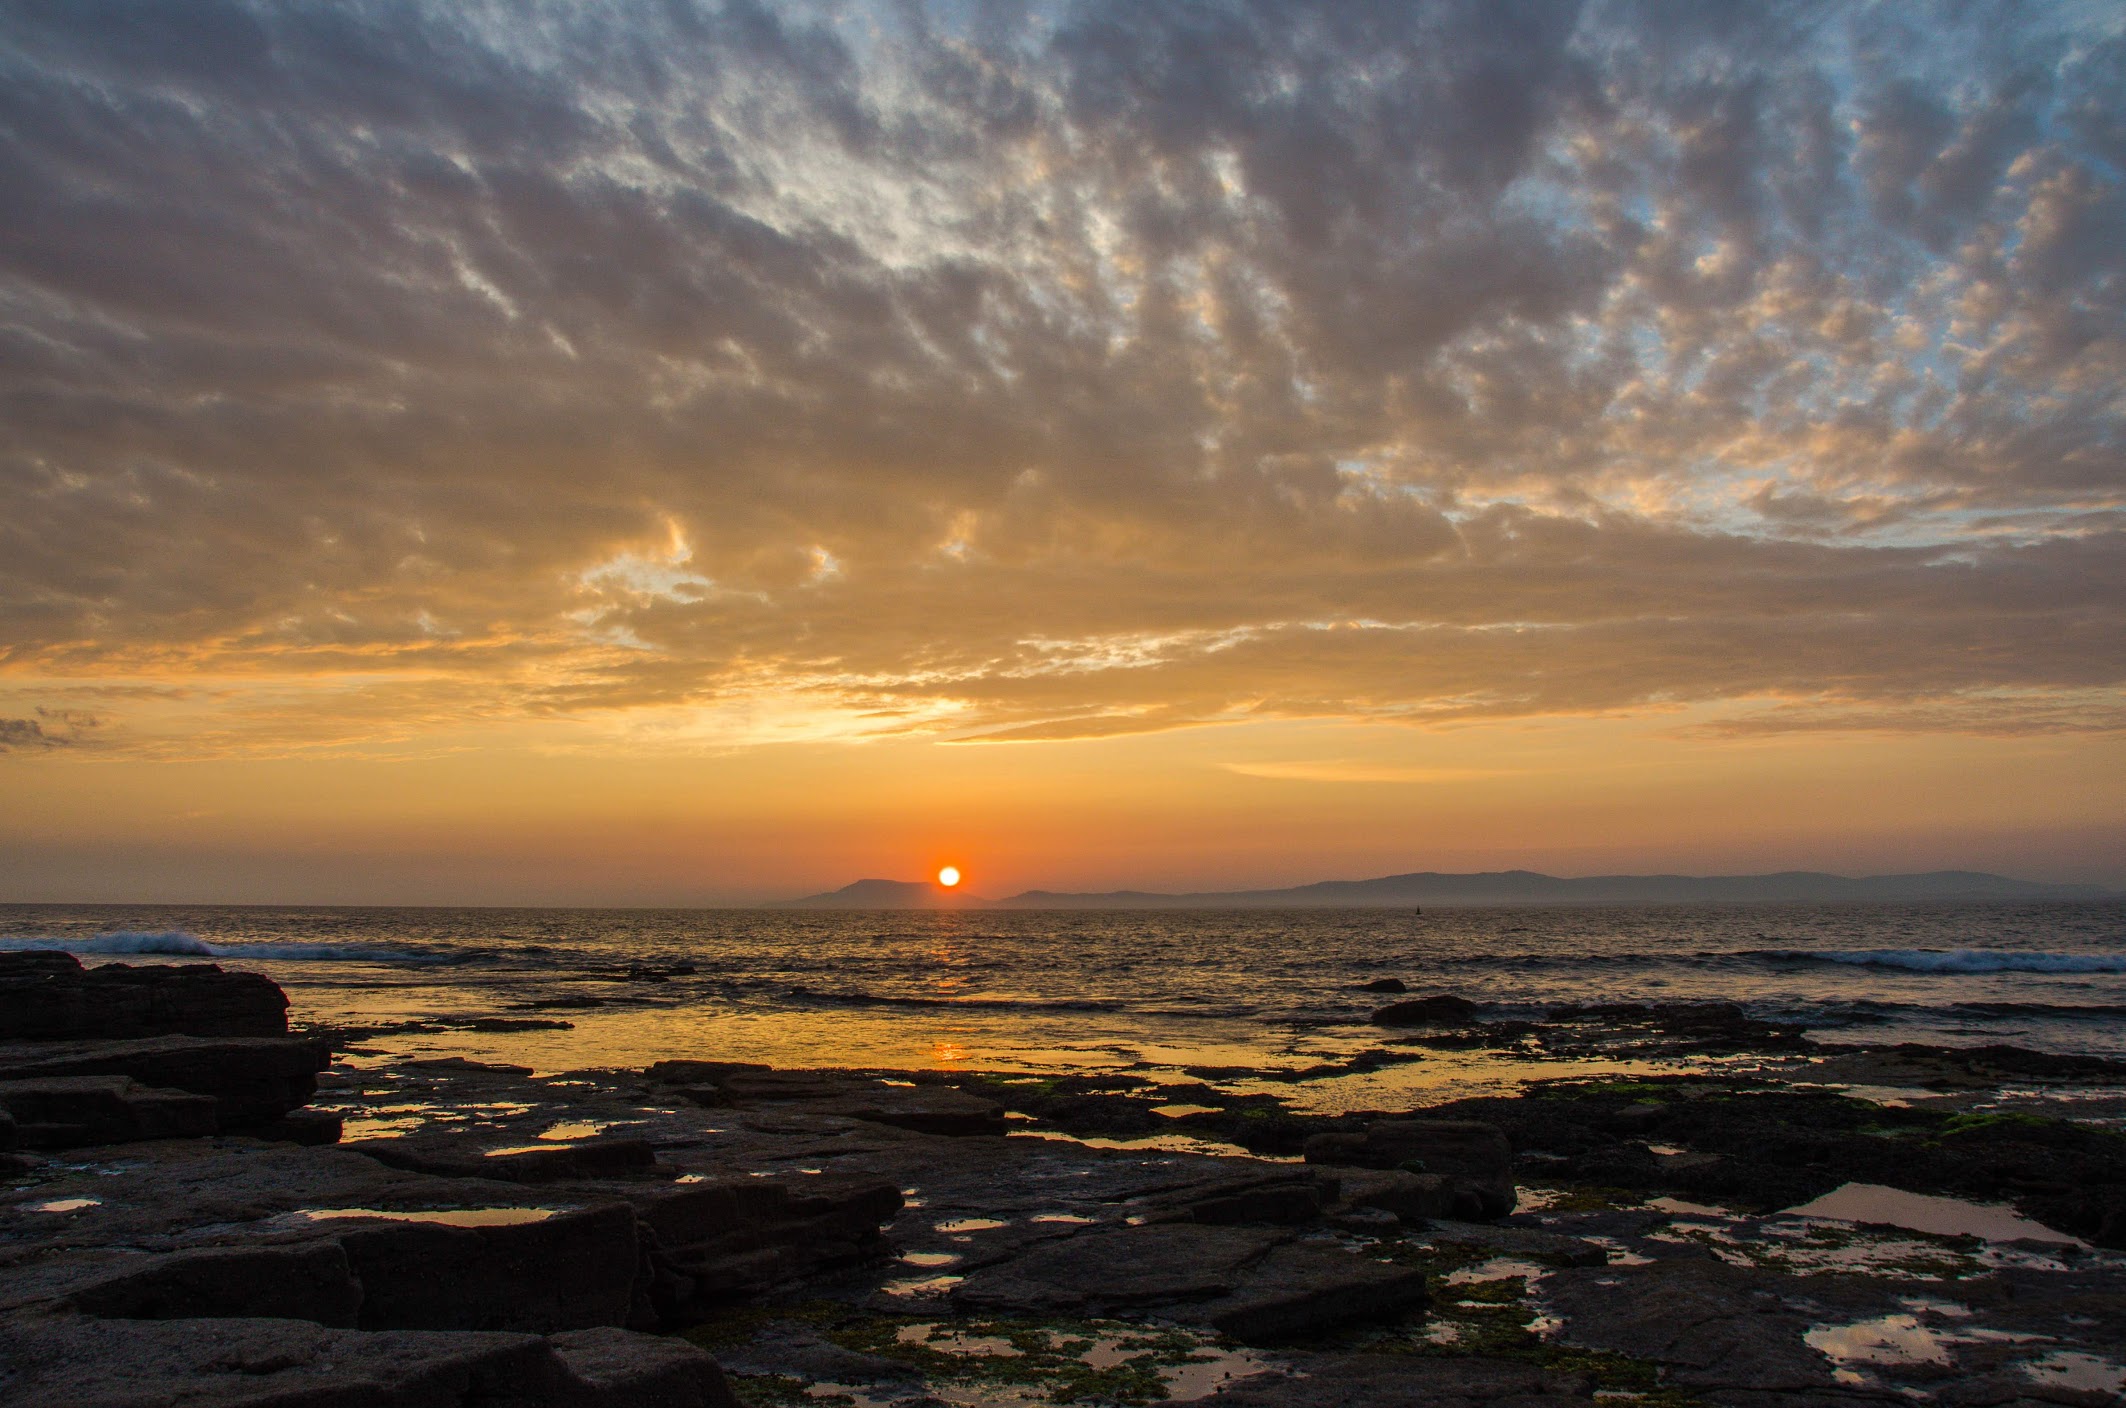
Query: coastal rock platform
x=489 y=1234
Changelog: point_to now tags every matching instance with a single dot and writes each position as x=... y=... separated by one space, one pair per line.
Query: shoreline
x=882 y=1237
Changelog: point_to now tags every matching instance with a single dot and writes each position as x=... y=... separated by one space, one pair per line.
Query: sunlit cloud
x=712 y=376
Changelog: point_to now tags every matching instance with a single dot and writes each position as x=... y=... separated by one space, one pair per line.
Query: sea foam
x=1961 y=960
x=177 y=942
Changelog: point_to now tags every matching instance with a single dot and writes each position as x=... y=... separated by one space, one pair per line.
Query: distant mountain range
x=1498 y=887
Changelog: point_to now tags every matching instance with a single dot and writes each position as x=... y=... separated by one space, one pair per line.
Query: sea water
x=1161 y=990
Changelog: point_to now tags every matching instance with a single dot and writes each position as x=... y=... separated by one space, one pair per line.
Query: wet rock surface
x=488 y=1234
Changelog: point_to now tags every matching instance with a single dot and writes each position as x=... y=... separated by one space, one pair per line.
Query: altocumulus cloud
x=1067 y=369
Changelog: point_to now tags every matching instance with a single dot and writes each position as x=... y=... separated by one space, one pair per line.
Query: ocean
x=1159 y=991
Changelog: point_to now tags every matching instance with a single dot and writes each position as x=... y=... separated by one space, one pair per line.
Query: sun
x=949 y=876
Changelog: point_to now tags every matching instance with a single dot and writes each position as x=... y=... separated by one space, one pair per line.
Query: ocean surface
x=1144 y=990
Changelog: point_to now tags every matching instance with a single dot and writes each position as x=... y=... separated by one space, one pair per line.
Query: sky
x=697 y=453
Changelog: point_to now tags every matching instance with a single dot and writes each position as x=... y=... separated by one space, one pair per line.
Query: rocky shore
x=203 y=1208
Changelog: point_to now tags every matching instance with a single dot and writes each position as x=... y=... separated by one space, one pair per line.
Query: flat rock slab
x=1407 y=1381
x=1726 y=1332
x=847 y=1095
x=253 y=1080
x=66 y=1112
x=73 y=1362
x=1252 y=1283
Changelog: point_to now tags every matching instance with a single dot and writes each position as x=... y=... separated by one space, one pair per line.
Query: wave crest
x=179 y=943
x=1959 y=960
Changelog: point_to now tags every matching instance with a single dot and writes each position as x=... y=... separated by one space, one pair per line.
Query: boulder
x=573 y=1270
x=1439 y=1010
x=51 y=997
x=78 y=1362
x=1385 y=985
x=66 y=1112
x=1472 y=1155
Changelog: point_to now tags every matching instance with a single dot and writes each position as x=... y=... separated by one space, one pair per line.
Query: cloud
x=1101 y=368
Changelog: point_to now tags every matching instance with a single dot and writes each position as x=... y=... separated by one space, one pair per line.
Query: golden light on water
x=949 y=876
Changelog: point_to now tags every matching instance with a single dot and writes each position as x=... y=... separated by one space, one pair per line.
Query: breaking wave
x=1959 y=960
x=179 y=943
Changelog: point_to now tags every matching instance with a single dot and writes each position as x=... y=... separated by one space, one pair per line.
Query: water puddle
x=2071 y=1369
x=929 y=1259
x=1887 y=1340
x=1175 y=1112
x=447 y=1217
x=1872 y=1203
x=570 y=1130
x=1157 y=1144
x=970 y=1224
x=66 y=1205
x=918 y=1286
x=1904 y=1340
x=1063 y=1219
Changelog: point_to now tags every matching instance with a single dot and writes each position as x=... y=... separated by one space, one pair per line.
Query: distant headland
x=1499 y=887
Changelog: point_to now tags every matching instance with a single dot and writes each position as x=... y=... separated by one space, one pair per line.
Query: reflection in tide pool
x=447 y=1217
x=1872 y=1203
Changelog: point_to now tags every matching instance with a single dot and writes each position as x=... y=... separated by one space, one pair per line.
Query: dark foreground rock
x=929 y=1109
x=1408 y=1381
x=250 y=1081
x=51 y=997
x=1442 y=1009
x=1473 y=1156
x=1765 y=1147
x=250 y=1363
x=1255 y=1284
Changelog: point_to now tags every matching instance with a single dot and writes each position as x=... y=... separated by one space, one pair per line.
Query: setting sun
x=949 y=876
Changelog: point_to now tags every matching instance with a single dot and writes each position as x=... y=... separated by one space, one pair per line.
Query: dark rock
x=1690 y=1027
x=1284 y=1196
x=933 y=1109
x=710 y=1243
x=1441 y=1009
x=1717 y=1329
x=627 y=1370
x=1638 y=1118
x=1253 y=1284
x=1473 y=1155
x=1408 y=1381
x=455 y=1156
x=249 y=1363
x=51 y=997
x=303 y=1280
x=1532 y=1243
x=1411 y=1198
x=309 y=1127
x=1385 y=985
x=253 y=1080
x=1305 y=1288
x=793 y=1351
x=571 y=1271
x=65 y=1112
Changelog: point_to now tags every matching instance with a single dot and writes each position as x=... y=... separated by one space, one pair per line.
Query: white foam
x=122 y=941
x=1968 y=960
x=178 y=942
